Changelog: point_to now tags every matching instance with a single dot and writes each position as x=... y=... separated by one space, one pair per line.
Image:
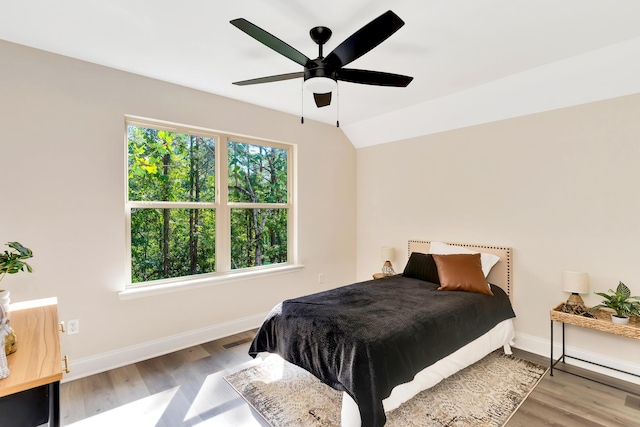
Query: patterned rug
x=485 y=394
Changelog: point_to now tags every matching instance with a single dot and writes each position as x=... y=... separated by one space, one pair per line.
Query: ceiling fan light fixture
x=321 y=75
x=320 y=84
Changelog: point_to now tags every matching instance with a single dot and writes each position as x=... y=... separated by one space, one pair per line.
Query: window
x=258 y=189
x=204 y=203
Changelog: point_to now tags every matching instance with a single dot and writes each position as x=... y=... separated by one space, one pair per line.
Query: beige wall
x=62 y=170
x=562 y=188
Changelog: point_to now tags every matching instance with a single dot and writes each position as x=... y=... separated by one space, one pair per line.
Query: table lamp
x=388 y=255
x=577 y=283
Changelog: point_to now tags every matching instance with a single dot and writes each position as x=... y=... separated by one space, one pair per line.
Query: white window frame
x=222 y=206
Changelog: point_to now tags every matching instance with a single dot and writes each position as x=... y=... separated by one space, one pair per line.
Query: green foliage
x=188 y=250
x=620 y=301
x=170 y=166
x=258 y=237
x=11 y=262
x=257 y=174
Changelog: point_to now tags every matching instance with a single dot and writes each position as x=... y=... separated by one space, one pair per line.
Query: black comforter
x=369 y=337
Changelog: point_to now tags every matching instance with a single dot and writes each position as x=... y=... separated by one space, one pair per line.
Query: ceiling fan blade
x=270 y=40
x=377 y=78
x=365 y=39
x=322 y=99
x=270 y=79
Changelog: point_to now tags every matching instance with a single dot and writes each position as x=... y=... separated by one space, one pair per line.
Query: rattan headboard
x=500 y=274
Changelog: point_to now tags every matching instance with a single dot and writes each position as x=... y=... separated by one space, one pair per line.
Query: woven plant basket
x=602 y=322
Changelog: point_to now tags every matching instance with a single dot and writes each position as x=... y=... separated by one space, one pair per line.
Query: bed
x=383 y=341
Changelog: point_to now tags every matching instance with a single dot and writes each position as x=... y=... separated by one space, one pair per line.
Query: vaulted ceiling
x=473 y=61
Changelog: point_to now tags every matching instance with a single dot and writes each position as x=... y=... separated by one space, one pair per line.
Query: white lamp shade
x=319 y=85
x=388 y=253
x=575 y=282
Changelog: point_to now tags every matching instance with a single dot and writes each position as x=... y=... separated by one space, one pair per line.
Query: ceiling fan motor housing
x=317 y=68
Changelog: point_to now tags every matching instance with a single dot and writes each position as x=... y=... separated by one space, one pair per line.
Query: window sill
x=190 y=284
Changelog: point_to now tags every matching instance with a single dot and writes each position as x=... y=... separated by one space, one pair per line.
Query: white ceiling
x=473 y=61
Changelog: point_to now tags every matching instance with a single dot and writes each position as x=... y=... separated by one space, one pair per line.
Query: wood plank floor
x=186 y=388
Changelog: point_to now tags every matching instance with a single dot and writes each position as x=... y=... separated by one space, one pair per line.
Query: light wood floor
x=186 y=388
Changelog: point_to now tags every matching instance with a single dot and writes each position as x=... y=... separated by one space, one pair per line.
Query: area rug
x=485 y=394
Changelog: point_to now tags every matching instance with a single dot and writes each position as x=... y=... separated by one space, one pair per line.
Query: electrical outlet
x=73 y=326
x=321 y=278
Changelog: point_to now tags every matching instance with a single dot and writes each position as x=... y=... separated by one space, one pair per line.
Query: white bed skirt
x=501 y=335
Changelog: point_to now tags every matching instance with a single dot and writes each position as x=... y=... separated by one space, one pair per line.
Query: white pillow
x=487 y=260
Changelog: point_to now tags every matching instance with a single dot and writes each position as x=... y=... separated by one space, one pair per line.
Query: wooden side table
x=36 y=368
x=381 y=275
x=601 y=322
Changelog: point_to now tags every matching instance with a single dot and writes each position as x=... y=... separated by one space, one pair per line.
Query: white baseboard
x=542 y=347
x=103 y=362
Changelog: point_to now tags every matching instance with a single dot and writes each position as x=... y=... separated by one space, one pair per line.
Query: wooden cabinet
x=36 y=368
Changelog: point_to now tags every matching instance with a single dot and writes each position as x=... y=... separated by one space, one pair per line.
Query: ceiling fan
x=321 y=74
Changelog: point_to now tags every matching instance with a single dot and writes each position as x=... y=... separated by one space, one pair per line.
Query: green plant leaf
x=623 y=290
x=596 y=308
x=11 y=262
x=24 y=252
x=603 y=295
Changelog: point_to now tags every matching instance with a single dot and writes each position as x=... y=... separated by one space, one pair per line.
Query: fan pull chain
x=302 y=104
x=337 y=105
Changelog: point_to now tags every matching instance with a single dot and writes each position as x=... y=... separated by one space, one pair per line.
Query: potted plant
x=12 y=262
x=621 y=302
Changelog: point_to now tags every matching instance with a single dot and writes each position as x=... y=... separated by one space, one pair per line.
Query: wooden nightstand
x=32 y=390
x=381 y=275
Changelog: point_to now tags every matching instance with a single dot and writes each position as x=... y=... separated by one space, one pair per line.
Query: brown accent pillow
x=461 y=272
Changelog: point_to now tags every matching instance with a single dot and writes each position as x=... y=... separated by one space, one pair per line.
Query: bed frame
x=500 y=274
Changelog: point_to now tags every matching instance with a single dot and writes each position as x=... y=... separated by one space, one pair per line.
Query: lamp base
x=575 y=305
x=575 y=299
x=387 y=269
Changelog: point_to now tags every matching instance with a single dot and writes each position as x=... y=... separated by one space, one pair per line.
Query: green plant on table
x=619 y=301
x=12 y=262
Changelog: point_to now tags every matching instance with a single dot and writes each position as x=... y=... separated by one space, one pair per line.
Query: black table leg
x=551 y=357
x=563 y=350
x=54 y=388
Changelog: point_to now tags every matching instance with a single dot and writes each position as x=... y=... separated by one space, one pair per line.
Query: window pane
x=258 y=237
x=171 y=243
x=257 y=174
x=170 y=166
